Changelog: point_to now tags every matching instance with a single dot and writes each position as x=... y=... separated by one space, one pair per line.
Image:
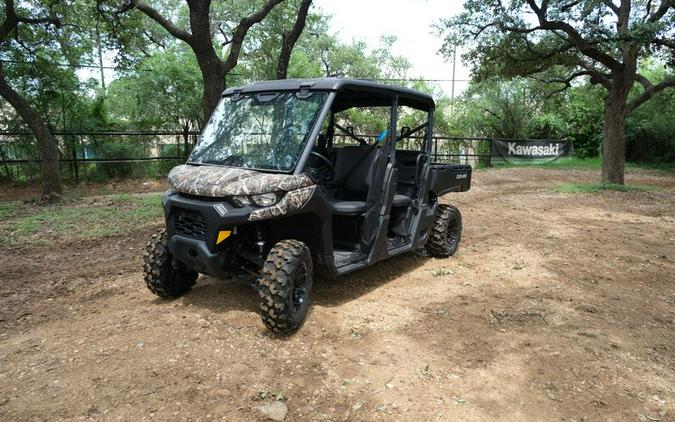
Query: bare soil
x=30 y=192
x=556 y=307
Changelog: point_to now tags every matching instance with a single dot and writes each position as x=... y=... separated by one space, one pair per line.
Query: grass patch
x=574 y=163
x=441 y=272
x=598 y=187
x=82 y=220
x=563 y=163
x=7 y=209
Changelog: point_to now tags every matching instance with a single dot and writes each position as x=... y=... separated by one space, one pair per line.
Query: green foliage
x=582 y=110
x=545 y=126
x=505 y=38
x=163 y=92
x=499 y=109
x=599 y=43
x=36 y=59
x=594 y=164
x=650 y=128
x=161 y=85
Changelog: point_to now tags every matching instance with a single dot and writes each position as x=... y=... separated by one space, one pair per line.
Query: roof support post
x=313 y=134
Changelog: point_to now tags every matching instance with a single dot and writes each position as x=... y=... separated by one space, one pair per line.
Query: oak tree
x=17 y=25
x=217 y=45
x=602 y=40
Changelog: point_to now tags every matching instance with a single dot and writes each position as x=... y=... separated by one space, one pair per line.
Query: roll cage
x=344 y=94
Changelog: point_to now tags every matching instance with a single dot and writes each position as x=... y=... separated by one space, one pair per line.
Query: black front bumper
x=193 y=224
x=201 y=219
x=196 y=255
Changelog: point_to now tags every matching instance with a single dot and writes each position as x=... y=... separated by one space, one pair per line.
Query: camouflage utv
x=281 y=186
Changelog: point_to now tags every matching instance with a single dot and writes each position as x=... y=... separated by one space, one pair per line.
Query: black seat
x=400 y=200
x=348 y=207
x=355 y=168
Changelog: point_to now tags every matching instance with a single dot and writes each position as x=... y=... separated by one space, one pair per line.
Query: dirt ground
x=33 y=191
x=556 y=307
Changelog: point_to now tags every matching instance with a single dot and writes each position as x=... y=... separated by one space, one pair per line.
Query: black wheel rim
x=300 y=292
x=452 y=236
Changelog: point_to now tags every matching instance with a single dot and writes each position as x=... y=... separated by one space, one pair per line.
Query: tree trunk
x=614 y=139
x=214 y=85
x=47 y=144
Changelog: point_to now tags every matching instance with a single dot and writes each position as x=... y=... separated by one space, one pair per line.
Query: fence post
x=489 y=160
x=84 y=155
x=186 y=140
x=4 y=159
x=76 y=170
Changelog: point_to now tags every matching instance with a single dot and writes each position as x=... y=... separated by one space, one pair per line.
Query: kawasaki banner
x=529 y=151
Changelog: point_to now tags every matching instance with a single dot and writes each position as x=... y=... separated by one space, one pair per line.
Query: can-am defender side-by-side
x=281 y=187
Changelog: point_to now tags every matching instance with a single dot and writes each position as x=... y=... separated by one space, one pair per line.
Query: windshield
x=261 y=131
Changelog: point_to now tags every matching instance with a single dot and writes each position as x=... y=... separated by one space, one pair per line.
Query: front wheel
x=446 y=233
x=285 y=285
x=164 y=275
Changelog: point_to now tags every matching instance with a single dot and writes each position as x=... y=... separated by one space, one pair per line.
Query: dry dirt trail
x=556 y=307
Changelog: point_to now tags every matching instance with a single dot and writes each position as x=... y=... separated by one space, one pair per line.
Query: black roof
x=363 y=92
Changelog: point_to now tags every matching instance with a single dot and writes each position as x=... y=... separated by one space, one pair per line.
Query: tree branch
x=663 y=8
x=597 y=77
x=164 y=22
x=12 y=19
x=49 y=19
x=482 y=28
x=567 y=82
x=226 y=38
x=152 y=39
x=566 y=7
x=643 y=81
x=242 y=29
x=648 y=93
x=664 y=42
x=289 y=39
x=574 y=37
x=612 y=6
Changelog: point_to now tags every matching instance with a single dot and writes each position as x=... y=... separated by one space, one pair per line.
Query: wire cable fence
x=97 y=155
x=103 y=155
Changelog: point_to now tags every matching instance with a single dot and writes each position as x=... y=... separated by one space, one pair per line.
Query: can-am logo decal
x=220 y=208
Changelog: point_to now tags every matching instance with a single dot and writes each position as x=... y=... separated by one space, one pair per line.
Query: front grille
x=189 y=223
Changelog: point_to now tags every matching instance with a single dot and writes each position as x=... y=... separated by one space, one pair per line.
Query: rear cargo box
x=450 y=178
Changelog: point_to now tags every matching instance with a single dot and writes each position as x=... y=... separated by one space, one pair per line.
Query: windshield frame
x=305 y=145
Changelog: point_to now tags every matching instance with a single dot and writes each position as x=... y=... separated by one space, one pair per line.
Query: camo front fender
x=291 y=202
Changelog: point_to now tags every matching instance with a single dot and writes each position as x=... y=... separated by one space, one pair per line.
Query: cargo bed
x=447 y=178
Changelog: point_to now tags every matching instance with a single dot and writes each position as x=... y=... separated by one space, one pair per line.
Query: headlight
x=265 y=199
x=241 y=200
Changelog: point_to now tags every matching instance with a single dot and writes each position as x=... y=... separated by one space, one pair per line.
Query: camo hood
x=218 y=181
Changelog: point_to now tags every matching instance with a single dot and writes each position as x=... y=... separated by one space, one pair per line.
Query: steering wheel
x=327 y=164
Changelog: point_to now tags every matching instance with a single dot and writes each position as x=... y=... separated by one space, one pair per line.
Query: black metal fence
x=101 y=155
x=97 y=155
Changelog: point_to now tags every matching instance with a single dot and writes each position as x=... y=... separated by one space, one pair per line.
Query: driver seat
x=355 y=168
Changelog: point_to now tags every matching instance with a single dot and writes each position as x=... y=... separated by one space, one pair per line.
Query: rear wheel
x=164 y=275
x=446 y=233
x=285 y=285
